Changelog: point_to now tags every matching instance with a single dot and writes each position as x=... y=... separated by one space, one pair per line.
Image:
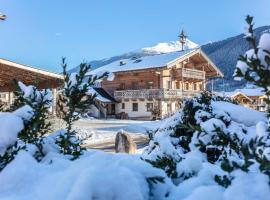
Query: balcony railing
x=191 y=73
x=154 y=94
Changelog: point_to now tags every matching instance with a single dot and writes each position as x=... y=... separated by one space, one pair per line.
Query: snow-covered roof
x=241 y=94
x=250 y=92
x=154 y=61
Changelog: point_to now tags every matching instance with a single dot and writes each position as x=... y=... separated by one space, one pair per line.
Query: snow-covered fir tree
x=74 y=99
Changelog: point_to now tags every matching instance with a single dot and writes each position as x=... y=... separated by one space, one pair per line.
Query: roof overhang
x=29 y=75
x=219 y=73
x=200 y=52
x=31 y=69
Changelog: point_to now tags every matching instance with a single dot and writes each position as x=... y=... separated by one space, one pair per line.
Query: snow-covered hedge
x=11 y=124
x=96 y=175
x=213 y=149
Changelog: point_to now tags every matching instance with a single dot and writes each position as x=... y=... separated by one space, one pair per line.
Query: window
x=150 y=84
x=186 y=86
x=169 y=107
x=123 y=105
x=177 y=85
x=149 y=107
x=122 y=86
x=135 y=85
x=134 y=107
x=169 y=85
x=201 y=87
x=194 y=86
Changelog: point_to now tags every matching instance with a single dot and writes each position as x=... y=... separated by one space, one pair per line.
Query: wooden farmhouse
x=144 y=85
x=253 y=98
x=28 y=75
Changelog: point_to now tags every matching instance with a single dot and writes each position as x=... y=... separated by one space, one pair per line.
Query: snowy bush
x=27 y=125
x=212 y=142
x=11 y=124
x=31 y=109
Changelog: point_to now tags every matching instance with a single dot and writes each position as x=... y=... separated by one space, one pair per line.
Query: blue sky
x=39 y=32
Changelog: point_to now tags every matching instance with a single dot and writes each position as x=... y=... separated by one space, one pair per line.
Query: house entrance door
x=112 y=109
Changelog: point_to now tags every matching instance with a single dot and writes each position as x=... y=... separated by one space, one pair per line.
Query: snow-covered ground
x=101 y=132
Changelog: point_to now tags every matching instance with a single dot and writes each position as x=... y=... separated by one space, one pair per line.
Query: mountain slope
x=224 y=54
x=167 y=47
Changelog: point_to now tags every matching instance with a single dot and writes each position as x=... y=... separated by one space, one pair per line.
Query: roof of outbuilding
x=103 y=96
x=28 y=75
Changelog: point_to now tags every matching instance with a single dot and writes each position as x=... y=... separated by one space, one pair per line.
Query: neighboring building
x=144 y=84
x=28 y=75
x=251 y=97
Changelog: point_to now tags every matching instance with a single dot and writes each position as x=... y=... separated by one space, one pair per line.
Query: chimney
x=121 y=63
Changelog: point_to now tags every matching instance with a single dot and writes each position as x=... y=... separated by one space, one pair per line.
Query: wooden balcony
x=189 y=73
x=154 y=94
x=193 y=73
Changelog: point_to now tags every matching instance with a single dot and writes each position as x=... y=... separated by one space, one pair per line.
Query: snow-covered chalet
x=250 y=96
x=146 y=84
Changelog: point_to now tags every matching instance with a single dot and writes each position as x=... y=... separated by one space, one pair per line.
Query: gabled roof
x=152 y=61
